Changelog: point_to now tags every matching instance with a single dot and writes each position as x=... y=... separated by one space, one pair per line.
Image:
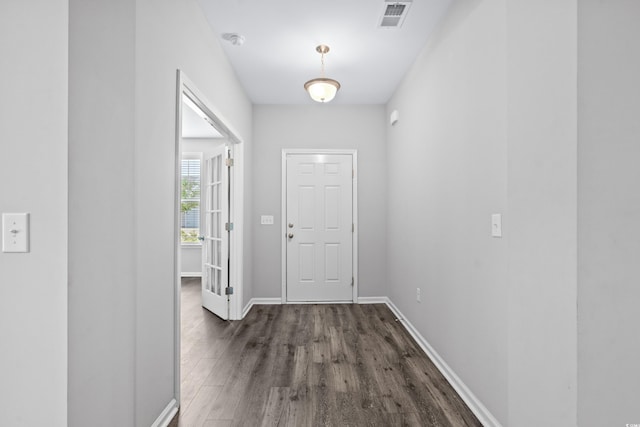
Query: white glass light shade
x=322 y=89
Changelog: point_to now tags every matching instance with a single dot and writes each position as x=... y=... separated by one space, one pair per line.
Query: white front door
x=215 y=245
x=319 y=227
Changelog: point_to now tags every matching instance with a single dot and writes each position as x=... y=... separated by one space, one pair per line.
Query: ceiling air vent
x=394 y=14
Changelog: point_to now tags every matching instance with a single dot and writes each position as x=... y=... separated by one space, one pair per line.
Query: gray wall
x=102 y=292
x=123 y=61
x=33 y=179
x=320 y=126
x=542 y=212
x=488 y=125
x=447 y=175
x=191 y=260
x=609 y=213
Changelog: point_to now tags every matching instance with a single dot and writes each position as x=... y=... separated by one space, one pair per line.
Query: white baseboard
x=317 y=302
x=260 y=301
x=479 y=410
x=167 y=415
x=191 y=274
x=373 y=300
x=276 y=301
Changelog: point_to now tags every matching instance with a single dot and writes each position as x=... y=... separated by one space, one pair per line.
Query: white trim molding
x=260 y=301
x=184 y=86
x=475 y=405
x=191 y=274
x=373 y=300
x=164 y=419
x=278 y=301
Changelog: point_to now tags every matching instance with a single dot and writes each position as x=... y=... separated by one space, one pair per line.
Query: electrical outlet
x=496 y=225
x=418 y=296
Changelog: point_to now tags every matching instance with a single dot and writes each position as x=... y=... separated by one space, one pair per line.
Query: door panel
x=307 y=259
x=319 y=233
x=332 y=262
x=307 y=207
x=332 y=208
x=215 y=244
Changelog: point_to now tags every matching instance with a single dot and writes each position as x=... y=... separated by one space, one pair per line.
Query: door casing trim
x=184 y=85
x=283 y=224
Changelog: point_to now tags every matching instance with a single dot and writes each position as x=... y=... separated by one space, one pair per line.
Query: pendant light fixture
x=322 y=89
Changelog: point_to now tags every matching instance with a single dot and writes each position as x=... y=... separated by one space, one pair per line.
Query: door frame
x=186 y=86
x=283 y=224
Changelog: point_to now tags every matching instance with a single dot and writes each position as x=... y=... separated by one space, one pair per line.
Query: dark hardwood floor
x=308 y=365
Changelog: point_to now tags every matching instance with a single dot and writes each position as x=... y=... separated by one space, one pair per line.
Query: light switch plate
x=15 y=232
x=266 y=220
x=496 y=225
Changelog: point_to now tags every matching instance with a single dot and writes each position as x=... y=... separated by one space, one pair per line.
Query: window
x=190 y=201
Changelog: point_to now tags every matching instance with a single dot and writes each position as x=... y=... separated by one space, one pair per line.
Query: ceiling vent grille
x=394 y=14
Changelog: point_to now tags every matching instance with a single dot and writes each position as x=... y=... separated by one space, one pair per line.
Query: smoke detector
x=234 y=38
x=394 y=13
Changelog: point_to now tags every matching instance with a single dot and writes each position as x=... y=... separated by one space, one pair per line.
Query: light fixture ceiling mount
x=322 y=89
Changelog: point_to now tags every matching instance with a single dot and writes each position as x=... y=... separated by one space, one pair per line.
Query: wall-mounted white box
x=15 y=232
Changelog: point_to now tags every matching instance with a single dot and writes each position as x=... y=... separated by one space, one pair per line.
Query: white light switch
x=496 y=225
x=15 y=232
x=266 y=220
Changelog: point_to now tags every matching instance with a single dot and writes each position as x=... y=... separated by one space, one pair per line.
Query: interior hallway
x=516 y=107
x=307 y=365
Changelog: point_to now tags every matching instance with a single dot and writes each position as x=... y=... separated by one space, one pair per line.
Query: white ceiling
x=279 y=55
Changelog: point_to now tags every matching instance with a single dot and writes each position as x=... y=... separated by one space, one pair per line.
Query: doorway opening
x=208 y=209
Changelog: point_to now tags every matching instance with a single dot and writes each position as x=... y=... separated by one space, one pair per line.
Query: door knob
x=290 y=225
x=291 y=235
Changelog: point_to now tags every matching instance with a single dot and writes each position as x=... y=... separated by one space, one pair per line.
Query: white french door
x=215 y=244
x=319 y=227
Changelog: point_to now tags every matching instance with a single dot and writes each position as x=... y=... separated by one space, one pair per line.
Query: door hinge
x=228 y=290
x=353 y=227
x=228 y=226
x=353 y=173
x=352 y=281
x=229 y=162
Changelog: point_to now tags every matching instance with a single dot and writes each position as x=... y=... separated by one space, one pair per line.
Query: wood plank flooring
x=308 y=365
